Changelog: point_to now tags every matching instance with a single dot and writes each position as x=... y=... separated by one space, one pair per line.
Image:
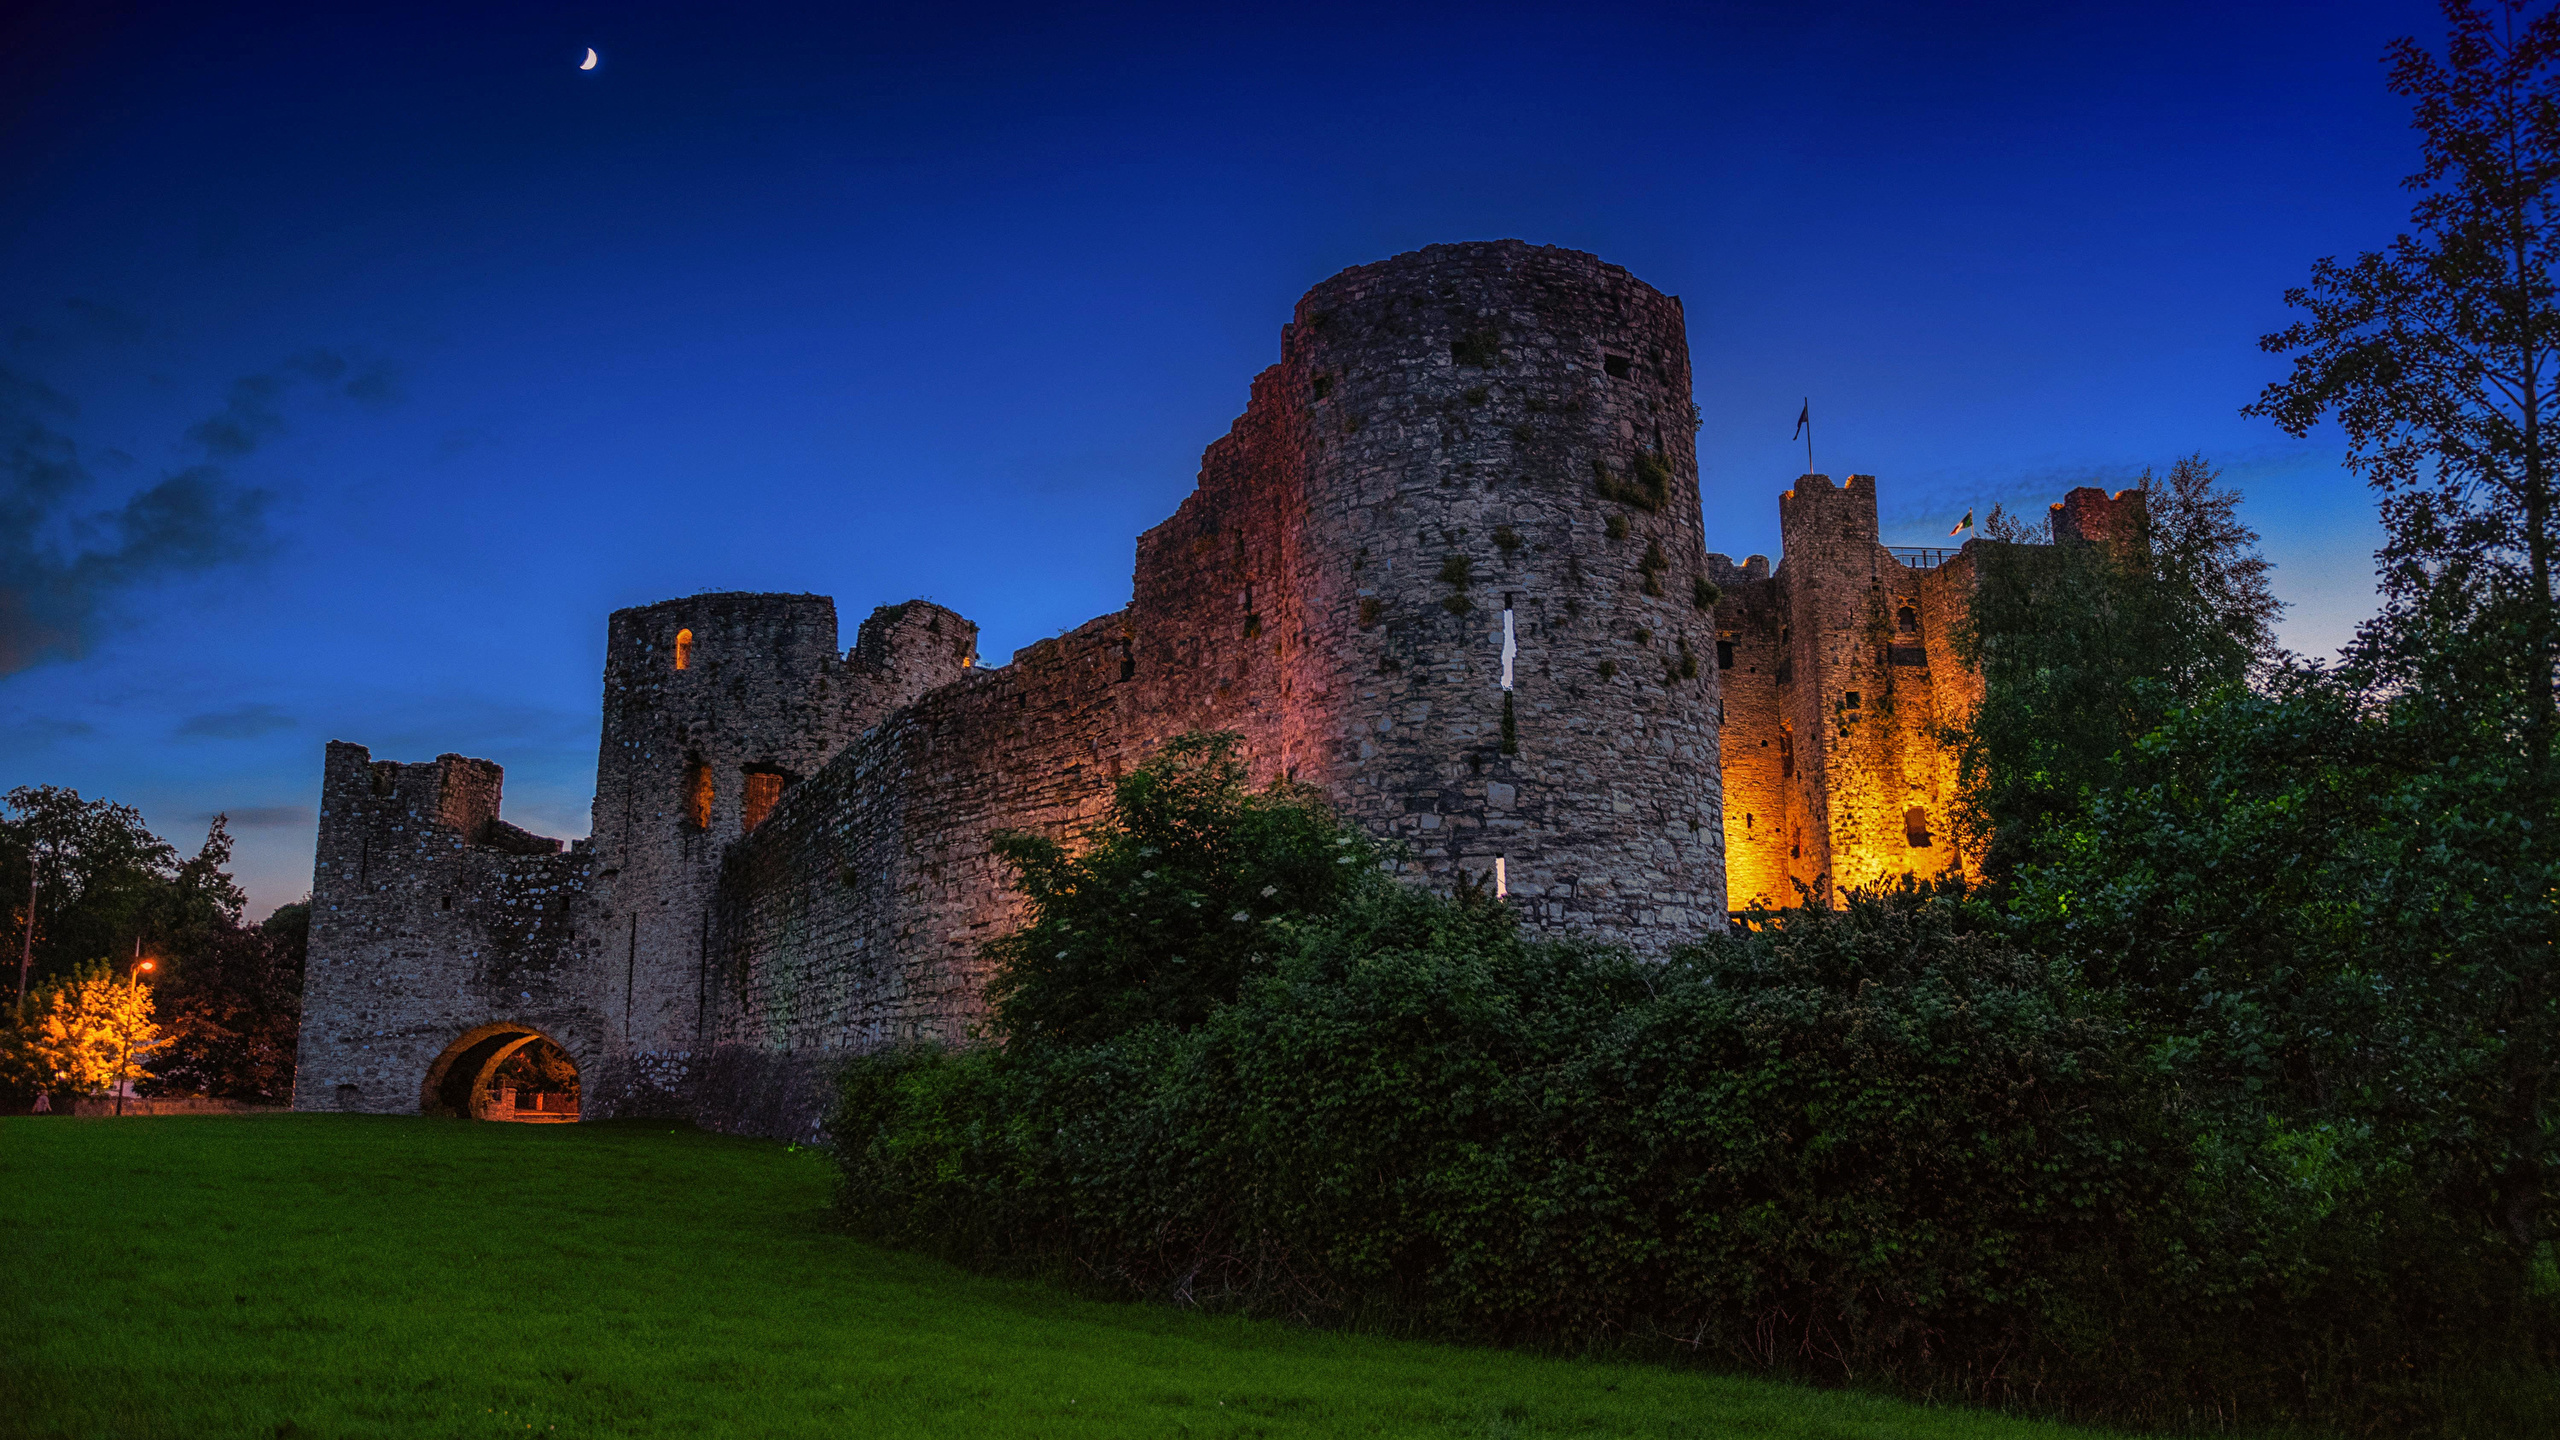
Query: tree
x=2332 y=900
x=1173 y=901
x=2085 y=647
x=87 y=1032
x=105 y=885
x=234 y=1008
x=2439 y=358
x=540 y=1068
x=93 y=874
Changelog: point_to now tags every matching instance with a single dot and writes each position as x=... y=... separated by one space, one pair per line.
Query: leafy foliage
x=540 y=1068
x=83 y=1033
x=2084 y=647
x=2439 y=357
x=1176 y=899
x=2326 y=922
x=229 y=993
x=234 y=1012
x=100 y=878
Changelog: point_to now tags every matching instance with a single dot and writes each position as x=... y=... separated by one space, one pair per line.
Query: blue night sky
x=352 y=367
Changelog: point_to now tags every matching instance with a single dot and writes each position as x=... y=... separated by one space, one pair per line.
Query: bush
x=1891 y=1144
x=1773 y=1148
x=1172 y=903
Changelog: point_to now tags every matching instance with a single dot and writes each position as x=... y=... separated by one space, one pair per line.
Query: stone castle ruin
x=1447 y=567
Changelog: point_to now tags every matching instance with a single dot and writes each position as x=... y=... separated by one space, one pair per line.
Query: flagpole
x=1808 y=434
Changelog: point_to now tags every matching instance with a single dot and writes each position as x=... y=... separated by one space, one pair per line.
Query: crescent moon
x=590 y=62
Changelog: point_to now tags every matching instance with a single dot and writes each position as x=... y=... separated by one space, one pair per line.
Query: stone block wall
x=1505 y=428
x=421 y=931
x=1447 y=566
x=1841 y=680
x=1834 y=762
x=690 y=753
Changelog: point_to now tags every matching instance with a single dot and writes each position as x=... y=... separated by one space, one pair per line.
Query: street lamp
x=123 y=1081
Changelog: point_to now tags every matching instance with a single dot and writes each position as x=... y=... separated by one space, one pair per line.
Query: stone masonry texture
x=1840 y=678
x=789 y=861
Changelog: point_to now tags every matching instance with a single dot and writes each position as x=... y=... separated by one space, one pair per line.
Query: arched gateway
x=505 y=1072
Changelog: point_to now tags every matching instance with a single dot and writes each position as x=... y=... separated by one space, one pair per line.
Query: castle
x=1447 y=567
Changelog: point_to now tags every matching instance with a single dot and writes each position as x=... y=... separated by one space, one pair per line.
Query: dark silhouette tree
x=2439 y=359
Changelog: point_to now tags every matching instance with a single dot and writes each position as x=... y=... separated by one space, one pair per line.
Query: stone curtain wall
x=431 y=917
x=1447 y=435
x=1766 y=804
x=852 y=918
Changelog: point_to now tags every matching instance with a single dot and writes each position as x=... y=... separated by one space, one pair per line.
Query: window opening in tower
x=684 y=649
x=697 y=787
x=763 y=792
x=1510 y=649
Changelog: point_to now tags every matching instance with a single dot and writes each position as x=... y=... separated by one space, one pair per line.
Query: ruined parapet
x=1496 y=457
x=430 y=917
x=2089 y=515
x=899 y=653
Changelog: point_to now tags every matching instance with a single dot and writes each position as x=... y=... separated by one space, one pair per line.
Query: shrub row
x=1882 y=1146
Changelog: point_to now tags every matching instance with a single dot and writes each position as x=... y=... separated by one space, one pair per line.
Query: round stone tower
x=713 y=705
x=1509 y=648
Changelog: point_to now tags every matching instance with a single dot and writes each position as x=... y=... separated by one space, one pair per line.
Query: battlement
x=455 y=792
x=936 y=641
x=1816 y=512
x=2089 y=515
x=1725 y=574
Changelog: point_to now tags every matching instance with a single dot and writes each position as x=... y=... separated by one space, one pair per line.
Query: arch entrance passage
x=503 y=1072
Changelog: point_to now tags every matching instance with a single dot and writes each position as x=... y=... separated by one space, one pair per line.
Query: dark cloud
x=63 y=568
x=263 y=817
x=105 y=322
x=35 y=733
x=378 y=383
x=454 y=442
x=254 y=413
x=241 y=722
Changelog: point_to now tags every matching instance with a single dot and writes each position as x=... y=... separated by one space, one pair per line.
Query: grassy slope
x=346 y=1275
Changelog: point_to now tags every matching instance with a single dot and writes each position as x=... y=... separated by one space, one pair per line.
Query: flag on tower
x=1804 y=418
x=1964 y=524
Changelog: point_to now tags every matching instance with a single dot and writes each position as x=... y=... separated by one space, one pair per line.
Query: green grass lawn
x=325 y=1275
